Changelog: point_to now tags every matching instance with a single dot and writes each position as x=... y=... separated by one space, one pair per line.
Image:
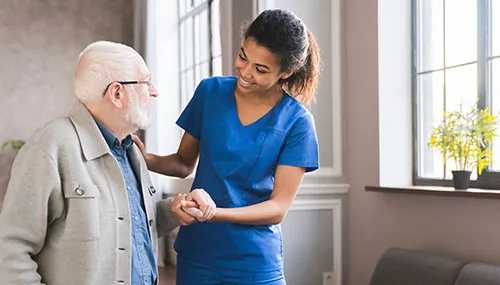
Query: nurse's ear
x=286 y=75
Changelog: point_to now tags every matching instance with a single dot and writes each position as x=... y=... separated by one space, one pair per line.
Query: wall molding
x=336 y=170
x=323 y=189
x=335 y=205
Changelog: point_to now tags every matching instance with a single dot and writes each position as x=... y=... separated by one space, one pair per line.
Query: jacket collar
x=91 y=139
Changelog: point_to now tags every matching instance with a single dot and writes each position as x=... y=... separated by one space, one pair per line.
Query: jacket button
x=79 y=191
x=152 y=190
x=151 y=222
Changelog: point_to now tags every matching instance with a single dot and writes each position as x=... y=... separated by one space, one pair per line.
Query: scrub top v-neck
x=236 y=167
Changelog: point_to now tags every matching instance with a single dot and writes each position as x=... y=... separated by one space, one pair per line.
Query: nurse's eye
x=241 y=57
x=259 y=70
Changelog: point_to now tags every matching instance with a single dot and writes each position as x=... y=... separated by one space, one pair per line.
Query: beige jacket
x=66 y=219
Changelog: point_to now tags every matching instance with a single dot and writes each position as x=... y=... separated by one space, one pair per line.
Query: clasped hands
x=192 y=207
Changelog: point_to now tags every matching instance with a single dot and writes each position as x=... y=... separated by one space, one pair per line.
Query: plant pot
x=461 y=179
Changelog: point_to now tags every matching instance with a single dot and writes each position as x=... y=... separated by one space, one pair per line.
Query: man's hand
x=204 y=202
x=186 y=212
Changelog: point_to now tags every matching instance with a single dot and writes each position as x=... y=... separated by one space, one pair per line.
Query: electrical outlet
x=328 y=278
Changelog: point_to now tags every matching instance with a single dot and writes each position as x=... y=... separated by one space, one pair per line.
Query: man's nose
x=153 y=92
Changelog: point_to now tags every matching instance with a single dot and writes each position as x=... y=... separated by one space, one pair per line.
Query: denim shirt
x=143 y=258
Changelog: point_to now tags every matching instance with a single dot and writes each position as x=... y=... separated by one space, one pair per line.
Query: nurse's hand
x=205 y=203
x=141 y=147
x=186 y=212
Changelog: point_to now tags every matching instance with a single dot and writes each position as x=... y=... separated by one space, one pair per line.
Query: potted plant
x=7 y=156
x=466 y=138
x=14 y=144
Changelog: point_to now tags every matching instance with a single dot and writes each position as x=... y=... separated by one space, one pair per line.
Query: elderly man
x=80 y=207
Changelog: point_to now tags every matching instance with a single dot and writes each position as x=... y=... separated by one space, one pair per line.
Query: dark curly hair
x=285 y=35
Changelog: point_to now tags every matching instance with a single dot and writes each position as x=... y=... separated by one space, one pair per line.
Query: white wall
x=457 y=227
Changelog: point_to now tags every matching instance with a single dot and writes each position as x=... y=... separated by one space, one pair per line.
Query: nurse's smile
x=243 y=83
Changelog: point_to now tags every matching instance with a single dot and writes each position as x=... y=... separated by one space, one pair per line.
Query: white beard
x=136 y=116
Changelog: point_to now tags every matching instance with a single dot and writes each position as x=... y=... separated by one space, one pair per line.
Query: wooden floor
x=167 y=275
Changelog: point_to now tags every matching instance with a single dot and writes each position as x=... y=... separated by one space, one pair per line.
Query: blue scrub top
x=236 y=167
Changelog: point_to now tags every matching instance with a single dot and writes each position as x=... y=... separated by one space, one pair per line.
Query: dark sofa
x=410 y=267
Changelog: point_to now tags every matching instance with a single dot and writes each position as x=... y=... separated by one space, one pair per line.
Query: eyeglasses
x=149 y=83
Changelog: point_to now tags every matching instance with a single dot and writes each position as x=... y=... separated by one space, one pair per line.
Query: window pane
x=197 y=74
x=495 y=100
x=197 y=44
x=188 y=51
x=495 y=33
x=430 y=111
x=430 y=20
x=183 y=47
x=216 y=41
x=182 y=7
x=217 y=66
x=183 y=89
x=198 y=2
x=204 y=35
x=205 y=70
x=189 y=84
x=461 y=31
x=461 y=87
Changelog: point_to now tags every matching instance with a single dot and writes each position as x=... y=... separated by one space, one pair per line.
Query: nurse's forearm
x=170 y=165
x=266 y=213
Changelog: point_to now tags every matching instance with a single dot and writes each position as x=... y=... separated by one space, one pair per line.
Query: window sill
x=437 y=191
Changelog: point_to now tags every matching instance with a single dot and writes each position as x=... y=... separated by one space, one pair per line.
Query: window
x=456 y=60
x=200 y=45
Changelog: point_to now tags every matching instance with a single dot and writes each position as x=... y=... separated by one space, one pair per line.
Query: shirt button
x=136 y=218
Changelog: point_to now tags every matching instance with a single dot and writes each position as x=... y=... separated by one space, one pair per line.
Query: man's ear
x=115 y=94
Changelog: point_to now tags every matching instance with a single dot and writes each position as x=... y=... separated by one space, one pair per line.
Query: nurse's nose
x=246 y=72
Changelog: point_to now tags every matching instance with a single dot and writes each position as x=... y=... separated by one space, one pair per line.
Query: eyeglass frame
x=149 y=83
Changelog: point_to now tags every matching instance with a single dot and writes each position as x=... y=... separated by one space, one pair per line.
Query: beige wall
x=39 y=44
x=457 y=227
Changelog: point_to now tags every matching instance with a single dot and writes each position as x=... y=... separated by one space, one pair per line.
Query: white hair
x=101 y=63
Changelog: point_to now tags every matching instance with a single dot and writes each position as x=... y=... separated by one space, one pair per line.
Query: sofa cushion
x=477 y=273
x=409 y=267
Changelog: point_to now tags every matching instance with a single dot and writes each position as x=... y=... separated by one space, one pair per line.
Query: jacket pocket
x=82 y=213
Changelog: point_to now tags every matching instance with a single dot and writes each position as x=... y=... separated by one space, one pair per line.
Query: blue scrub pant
x=192 y=273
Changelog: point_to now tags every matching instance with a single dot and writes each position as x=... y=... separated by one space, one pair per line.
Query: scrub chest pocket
x=270 y=142
x=247 y=157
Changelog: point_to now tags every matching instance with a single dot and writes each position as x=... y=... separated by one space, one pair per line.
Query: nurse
x=255 y=139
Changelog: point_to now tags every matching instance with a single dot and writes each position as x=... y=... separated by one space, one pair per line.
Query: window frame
x=491 y=179
x=193 y=9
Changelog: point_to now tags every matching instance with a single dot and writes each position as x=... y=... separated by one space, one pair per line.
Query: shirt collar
x=112 y=140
